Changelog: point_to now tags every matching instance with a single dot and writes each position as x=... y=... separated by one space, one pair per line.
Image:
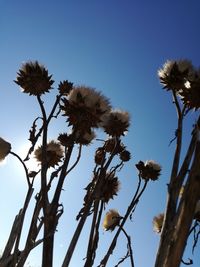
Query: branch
x=24 y=166
x=130 y=251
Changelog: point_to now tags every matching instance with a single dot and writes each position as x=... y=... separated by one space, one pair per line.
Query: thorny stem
x=84 y=216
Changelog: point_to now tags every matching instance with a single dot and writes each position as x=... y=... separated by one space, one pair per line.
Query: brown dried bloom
x=65 y=139
x=65 y=87
x=148 y=170
x=84 y=138
x=33 y=78
x=174 y=74
x=111 y=220
x=125 y=155
x=113 y=146
x=158 y=223
x=5 y=148
x=54 y=153
x=190 y=94
x=85 y=108
x=110 y=187
x=99 y=156
x=116 y=123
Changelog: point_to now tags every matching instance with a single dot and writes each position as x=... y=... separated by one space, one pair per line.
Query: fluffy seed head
x=116 y=123
x=54 y=153
x=33 y=78
x=149 y=170
x=190 y=94
x=111 y=220
x=158 y=222
x=174 y=74
x=85 y=108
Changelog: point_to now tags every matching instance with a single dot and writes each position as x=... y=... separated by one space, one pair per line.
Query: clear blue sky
x=117 y=47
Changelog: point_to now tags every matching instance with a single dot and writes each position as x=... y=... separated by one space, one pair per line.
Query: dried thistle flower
x=99 y=156
x=113 y=146
x=111 y=220
x=85 y=108
x=174 y=74
x=54 y=153
x=33 y=78
x=158 y=222
x=84 y=138
x=148 y=170
x=125 y=155
x=5 y=148
x=65 y=87
x=65 y=139
x=110 y=187
x=116 y=123
x=190 y=94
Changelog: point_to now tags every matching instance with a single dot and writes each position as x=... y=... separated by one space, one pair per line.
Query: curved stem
x=24 y=166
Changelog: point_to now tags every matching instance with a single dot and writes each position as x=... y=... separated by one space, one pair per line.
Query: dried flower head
x=111 y=220
x=33 y=78
x=116 y=123
x=85 y=108
x=110 y=187
x=54 y=153
x=190 y=94
x=125 y=155
x=99 y=156
x=113 y=146
x=148 y=170
x=65 y=139
x=174 y=74
x=5 y=148
x=158 y=222
x=65 y=87
x=84 y=138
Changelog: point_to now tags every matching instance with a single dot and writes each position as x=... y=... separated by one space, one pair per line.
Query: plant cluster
x=86 y=110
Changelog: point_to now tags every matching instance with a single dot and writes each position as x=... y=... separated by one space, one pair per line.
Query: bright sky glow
x=116 y=46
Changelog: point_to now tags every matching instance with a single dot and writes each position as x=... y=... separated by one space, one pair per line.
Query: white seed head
x=154 y=165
